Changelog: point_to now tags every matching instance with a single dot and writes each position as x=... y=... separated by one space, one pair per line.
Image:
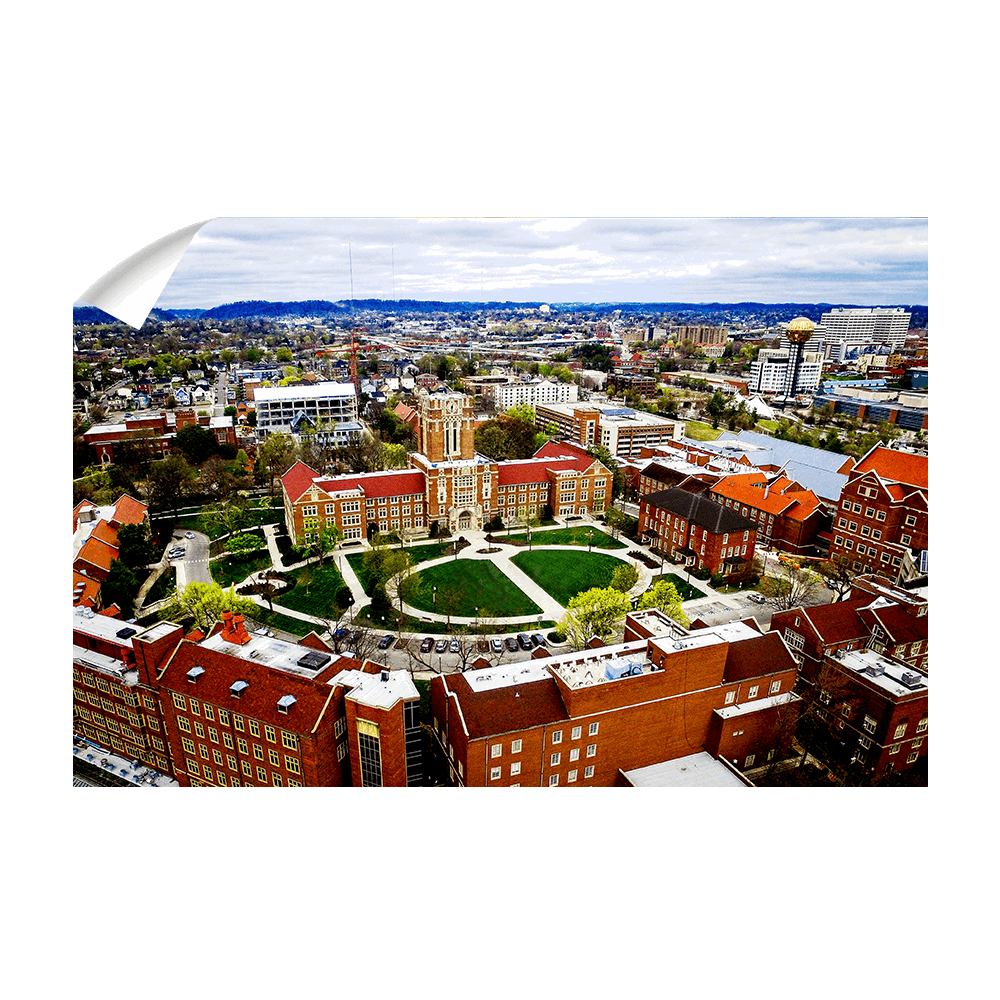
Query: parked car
x=511 y=643
x=385 y=642
x=355 y=637
x=339 y=634
x=524 y=642
x=441 y=645
x=189 y=534
x=757 y=598
x=538 y=639
x=454 y=645
x=426 y=645
x=496 y=645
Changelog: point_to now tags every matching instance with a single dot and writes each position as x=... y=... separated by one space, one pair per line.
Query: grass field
x=417 y=554
x=236 y=569
x=697 y=430
x=567 y=536
x=565 y=574
x=688 y=592
x=318 y=596
x=463 y=586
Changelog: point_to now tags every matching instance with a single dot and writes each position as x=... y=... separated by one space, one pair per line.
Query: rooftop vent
x=285 y=703
x=194 y=673
x=313 y=660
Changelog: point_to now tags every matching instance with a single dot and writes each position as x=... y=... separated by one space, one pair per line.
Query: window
x=179 y=702
x=231 y=761
x=865 y=742
x=749 y=761
x=515 y=746
x=592 y=750
x=730 y=697
x=183 y=724
x=227 y=740
x=247 y=770
x=495 y=773
x=592 y=731
x=775 y=687
x=900 y=731
x=555 y=760
x=254 y=728
x=213 y=734
x=199 y=729
x=557 y=736
x=571 y=777
x=575 y=734
x=238 y=722
x=258 y=751
x=269 y=734
x=515 y=768
x=922 y=725
x=911 y=520
x=261 y=774
x=912 y=757
x=289 y=741
x=496 y=750
x=195 y=707
x=188 y=745
x=272 y=756
x=869 y=724
x=589 y=771
x=894 y=748
x=553 y=780
x=574 y=754
x=203 y=751
x=752 y=693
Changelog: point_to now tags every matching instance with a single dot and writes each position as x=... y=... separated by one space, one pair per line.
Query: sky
x=861 y=261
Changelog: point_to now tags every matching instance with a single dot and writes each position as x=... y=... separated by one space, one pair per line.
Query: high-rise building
x=845 y=328
x=328 y=409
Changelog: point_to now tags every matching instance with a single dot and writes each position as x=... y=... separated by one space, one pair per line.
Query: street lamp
x=590 y=538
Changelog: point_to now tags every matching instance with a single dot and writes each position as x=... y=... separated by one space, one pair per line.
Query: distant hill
x=710 y=312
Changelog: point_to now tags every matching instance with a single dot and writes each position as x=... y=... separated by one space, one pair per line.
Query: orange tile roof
x=297 y=480
x=91 y=588
x=96 y=553
x=128 y=510
x=897 y=466
x=103 y=532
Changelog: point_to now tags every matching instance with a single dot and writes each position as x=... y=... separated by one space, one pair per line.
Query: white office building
x=847 y=328
x=774 y=371
x=328 y=409
x=534 y=393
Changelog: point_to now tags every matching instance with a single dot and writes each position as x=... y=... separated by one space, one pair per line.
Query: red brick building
x=876 y=708
x=447 y=483
x=881 y=523
x=155 y=430
x=789 y=518
x=238 y=710
x=876 y=615
x=95 y=543
x=578 y=719
x=705 y=535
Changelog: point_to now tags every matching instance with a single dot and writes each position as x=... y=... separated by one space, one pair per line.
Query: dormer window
x=194 y=673
x=238 y=688
x=285 y=703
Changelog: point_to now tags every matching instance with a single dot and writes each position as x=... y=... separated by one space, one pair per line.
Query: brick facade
x=578 y=719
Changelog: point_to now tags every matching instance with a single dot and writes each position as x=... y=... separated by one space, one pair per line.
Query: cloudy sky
x=865 y=261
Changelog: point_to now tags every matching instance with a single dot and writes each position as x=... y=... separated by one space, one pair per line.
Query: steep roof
x=96 y=553
x=897 y=466
x=835 y=622
x=397 y=482
x=766 y=654
x=531 y=470
x=506 y=709
x=707 y=514
x=898 y=624
x=128 y=510
x=103 y=532
x=297 y=480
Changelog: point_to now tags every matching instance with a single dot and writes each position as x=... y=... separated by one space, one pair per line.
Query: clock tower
x=461 y=485
x=446 y=429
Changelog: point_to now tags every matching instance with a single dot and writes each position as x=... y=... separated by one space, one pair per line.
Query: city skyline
x=861 y=261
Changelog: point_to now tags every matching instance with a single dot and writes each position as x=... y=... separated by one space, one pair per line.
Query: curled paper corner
x=130 y=289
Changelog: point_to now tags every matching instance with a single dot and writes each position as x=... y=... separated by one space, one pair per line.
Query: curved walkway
x=551 y=608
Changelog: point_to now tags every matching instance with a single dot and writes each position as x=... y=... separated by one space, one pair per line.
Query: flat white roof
x=698 y=770
x=318 y=390
x=373 y=690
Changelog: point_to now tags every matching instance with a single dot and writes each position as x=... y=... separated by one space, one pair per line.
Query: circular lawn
x=465 y=588
x=564 y=574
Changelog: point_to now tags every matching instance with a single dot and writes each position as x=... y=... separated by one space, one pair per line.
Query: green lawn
x=769 y=425
x=567 y=536
x=235 y=569
x=318 y=596
x=417 y=554
x=688 y=592
x=565 y=574
x=465 y=586
x=697 y=430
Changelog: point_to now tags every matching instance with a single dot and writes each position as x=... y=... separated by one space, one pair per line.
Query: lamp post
x=590 y=539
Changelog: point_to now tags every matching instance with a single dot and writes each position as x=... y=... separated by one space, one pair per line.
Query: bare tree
x=791 y=587
x=838 y=574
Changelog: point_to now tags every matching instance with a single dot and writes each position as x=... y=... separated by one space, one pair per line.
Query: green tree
x=230 y=515
x=169 y=481
x=276 y=454
x=121 y=587
x=204 y=603
x=596 y=612
x=624 y=578
x=134 y=546
x=197 y=444
x=663 y=595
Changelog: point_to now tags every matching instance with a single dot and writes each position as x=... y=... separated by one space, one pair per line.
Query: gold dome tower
x=800 y=330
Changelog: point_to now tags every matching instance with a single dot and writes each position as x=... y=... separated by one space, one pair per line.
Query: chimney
x=233 y=629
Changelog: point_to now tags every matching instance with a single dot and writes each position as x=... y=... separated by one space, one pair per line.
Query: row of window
x=289 y=740
x=555 y=737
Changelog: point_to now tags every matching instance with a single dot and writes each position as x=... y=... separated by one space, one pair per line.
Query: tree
x=204 y=603
x=134 y=547
x=663 y=595
x=616 y=521
x=791 y=587
x=505 y=438
x=624 y=578
x=838 y=574
x=276 y=455
x=230 y=515
x=121 y=586
x=169 y=480
x=197 y=444
x=596 y=612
